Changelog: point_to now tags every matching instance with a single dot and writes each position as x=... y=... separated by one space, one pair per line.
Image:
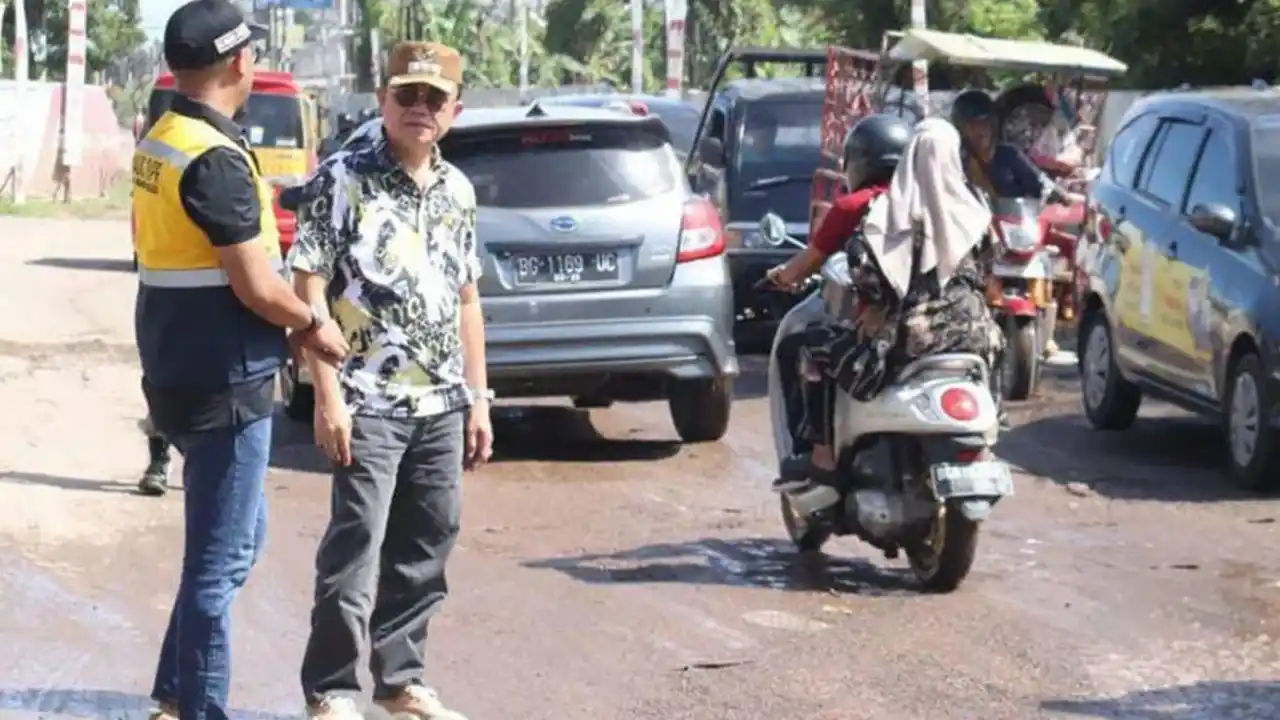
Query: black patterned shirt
x=396 y=256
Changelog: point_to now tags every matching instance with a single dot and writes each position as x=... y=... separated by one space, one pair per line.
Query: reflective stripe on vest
x=168 y=153
x=209 y=277
x=172 y=251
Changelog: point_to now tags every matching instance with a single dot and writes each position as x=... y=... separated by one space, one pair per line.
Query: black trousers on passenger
x=395 y=513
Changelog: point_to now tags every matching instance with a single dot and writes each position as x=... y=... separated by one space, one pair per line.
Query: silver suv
x=604 y=275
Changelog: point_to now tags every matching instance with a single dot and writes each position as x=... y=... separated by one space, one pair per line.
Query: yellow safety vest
x=172 y=251
x=192 y=332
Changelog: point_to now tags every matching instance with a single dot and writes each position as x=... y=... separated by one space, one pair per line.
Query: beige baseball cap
x=428 y=63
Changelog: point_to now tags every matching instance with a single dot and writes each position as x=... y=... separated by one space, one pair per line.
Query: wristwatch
x=482 y=394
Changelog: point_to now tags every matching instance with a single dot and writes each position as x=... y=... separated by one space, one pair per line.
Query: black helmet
x=345 y=122
x=874 y=146
x=368 y=114
x=972 y=105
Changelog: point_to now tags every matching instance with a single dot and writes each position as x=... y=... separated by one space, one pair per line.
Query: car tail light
x=959 y=404
x=969 y=455
x=701 y=233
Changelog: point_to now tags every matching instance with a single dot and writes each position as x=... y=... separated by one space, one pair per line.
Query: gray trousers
x=394 y=519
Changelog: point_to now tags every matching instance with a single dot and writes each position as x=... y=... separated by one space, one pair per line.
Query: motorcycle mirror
x=773 y=229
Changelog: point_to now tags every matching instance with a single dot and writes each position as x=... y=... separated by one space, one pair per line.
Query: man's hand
x=479 y=436
x=325 y=339
x=333 y=431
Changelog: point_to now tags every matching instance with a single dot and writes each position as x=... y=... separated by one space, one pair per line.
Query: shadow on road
x=1199 y=701
x=66 y=702
x=100 y=264
x=564 y=434
x=547 y=433
x=747 y=562
x=1170 y=459
x=69 y=483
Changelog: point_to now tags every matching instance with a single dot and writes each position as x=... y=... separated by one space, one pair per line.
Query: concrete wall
x=30 y=138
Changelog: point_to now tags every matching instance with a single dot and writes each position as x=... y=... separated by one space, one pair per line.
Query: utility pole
x=676 y=12
x=637 y=46
x=920 y=68
x=522 y=28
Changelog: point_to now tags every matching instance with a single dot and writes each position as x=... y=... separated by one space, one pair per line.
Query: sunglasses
x=432 y=98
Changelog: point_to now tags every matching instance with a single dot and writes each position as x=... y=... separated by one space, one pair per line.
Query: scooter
x=916 y=469
x=1020 y=291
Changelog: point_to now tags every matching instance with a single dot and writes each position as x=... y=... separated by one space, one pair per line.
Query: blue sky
x=155 y=13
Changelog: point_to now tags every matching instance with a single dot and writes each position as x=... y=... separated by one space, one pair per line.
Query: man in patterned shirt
x=388 y=241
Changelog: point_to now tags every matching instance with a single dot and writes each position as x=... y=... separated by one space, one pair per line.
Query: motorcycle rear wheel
x=942 y=561
x=807 y=536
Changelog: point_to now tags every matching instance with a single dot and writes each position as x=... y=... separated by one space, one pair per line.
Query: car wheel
x=700 y=408
x=299 y=399
x=1110 y=401
x=1247 y=422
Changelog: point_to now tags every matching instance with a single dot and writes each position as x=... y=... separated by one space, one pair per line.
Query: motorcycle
x=1020 y=290
x=916 y=469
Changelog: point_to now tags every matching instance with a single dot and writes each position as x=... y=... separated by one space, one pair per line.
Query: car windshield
x=1266 y=167
x=269 y=121
x=781 y=147
x=577 y=166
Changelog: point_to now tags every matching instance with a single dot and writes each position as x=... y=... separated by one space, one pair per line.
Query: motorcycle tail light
x=959 y=404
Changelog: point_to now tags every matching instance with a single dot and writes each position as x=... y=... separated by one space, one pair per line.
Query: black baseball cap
x=202 y=32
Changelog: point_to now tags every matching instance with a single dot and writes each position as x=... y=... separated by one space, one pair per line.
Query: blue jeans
x=224 y=476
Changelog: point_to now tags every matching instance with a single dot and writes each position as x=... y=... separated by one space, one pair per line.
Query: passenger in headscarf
x=919 y=283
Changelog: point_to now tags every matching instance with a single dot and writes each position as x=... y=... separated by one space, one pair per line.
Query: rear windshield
x=270 y=121
x=563 y=166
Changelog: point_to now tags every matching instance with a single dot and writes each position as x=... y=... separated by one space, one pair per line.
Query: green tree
x=112 y=28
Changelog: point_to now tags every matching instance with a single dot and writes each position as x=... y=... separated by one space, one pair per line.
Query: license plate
x=980 y=479
x=565 y=268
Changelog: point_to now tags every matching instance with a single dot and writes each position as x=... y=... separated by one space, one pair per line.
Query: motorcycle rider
x=998 y=168
x=920 y=288
x=872 y=149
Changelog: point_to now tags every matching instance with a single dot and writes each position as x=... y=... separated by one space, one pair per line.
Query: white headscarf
x=928 y=194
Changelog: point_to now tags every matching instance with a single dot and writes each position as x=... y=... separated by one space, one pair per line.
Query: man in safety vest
x=211 y=317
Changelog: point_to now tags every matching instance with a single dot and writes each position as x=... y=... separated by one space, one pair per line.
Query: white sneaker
x=417 y=702
x=334 y=708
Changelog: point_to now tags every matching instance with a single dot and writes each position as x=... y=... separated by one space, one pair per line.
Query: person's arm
x=472 y=318
x=832 y=232
x=316 y=244
x=1030 y=178
x=219 y=195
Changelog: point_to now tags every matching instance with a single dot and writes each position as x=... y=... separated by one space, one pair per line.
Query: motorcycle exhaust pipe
x=814 y=499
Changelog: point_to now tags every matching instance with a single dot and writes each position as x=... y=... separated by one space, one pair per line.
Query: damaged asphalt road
x=605 y=571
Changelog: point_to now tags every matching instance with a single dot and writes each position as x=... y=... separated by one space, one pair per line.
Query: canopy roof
x=1022 y=55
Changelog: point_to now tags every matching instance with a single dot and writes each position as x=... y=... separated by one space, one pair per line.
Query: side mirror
x=290 y=198
x=711 y=151
x=773 y=229
x=1214 y=219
